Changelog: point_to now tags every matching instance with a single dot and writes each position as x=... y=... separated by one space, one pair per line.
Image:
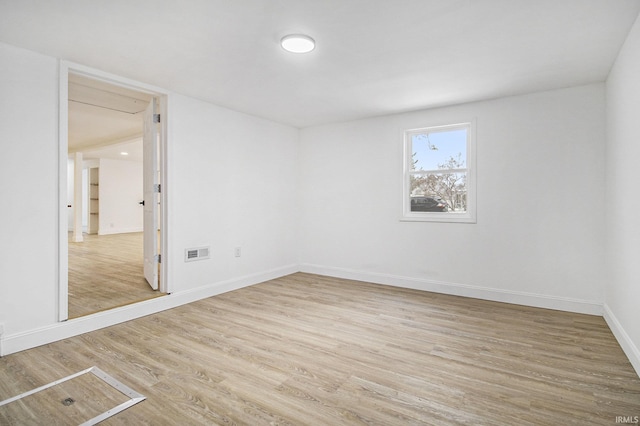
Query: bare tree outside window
x=439 y=182
x=448 y=186
x=438 y=168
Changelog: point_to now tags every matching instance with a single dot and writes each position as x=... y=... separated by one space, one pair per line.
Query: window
x=439 y=175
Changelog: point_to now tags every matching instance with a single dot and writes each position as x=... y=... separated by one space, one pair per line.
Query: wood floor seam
x=306 y=349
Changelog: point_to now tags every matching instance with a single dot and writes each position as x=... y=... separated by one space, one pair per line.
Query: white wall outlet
x=237 y=251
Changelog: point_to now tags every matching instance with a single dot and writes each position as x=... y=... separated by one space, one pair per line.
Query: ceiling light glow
x=297 y=43
x=124 y=153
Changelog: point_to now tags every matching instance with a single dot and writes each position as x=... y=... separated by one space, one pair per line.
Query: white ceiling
x=373 y=57
x=105 y=121
x=132 y=147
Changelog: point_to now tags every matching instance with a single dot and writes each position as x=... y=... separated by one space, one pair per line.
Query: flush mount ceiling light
x=297 y=43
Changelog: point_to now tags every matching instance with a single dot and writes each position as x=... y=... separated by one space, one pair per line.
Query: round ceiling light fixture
x=297 y=43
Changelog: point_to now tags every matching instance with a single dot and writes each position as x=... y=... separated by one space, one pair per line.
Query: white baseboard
x=112 y=231
x=629 y=348
x=21 y=341
x=486 y=293
x=18 y=342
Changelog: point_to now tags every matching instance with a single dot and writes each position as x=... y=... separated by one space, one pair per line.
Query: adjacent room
x=320 y=212
x=106 y=197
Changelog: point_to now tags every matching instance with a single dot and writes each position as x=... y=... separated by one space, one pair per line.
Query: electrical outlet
x=238 y=252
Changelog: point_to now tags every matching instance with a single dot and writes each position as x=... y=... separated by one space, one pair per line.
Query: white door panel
x=151 y=195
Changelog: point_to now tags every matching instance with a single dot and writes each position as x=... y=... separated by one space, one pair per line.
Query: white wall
x=622 y=301
x=239 y=181
x=539 y=235
x=29 y=189
x=120 y=191
x=231 y=182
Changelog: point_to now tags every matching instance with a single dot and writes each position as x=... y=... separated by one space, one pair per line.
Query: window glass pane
x=430 y=189
x=439 y=150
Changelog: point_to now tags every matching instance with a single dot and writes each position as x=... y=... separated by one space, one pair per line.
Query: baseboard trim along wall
x=629 y=348
x=21 y=341
x=63 y=330
x=520 y=298
x=111 y=231
x=455 y=289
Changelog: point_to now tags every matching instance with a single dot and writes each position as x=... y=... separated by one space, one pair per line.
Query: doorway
x=113 y=238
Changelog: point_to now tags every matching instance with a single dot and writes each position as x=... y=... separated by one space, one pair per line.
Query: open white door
x=151 y=195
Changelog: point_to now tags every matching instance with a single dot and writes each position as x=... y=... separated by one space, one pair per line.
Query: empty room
x=307 y=212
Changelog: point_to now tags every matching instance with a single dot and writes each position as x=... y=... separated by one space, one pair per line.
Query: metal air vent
x=196 y=253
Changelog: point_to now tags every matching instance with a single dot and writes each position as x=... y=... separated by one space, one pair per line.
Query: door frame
x=64 y=68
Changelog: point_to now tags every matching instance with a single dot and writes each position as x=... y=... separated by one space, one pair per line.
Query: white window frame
x=457 y=217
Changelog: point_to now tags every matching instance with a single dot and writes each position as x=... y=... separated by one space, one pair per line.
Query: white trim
x=628 y=346
x=63 y=243
x=451 y=217
x=116 y=80
x=63 y=330
x=166 y=283
x=477 y=292
x=112 y=231
x=66 y=67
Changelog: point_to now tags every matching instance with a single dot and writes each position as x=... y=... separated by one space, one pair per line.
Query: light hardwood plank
x=106 y=271
x=307 y=349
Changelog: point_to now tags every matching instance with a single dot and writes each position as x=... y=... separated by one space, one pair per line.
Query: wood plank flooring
x=312 y=350
x=96 y=398
x=106 y=271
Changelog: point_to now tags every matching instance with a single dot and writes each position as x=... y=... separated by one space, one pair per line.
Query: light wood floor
x=312 y=350
x=106 y=271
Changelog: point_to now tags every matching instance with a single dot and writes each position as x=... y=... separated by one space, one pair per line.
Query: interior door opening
x=114 y=235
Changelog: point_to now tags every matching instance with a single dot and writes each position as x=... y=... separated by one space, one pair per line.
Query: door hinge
x=159 y=258
x=157 y=188
x=156 y=118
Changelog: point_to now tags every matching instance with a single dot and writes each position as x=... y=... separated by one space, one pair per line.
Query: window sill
x=439 y=217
